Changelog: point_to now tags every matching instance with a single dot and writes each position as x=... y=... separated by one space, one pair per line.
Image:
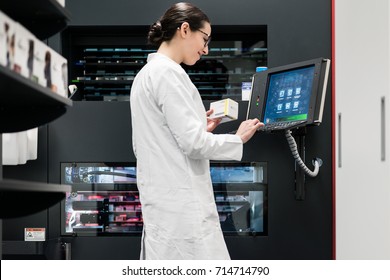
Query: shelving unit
x=241 y=208
x=103 y=211
x=221 y=73
x=104 y=71
x=106 y=74
x=25 y=104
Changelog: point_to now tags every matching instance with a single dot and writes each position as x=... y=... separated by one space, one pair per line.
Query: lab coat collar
x=152 y=56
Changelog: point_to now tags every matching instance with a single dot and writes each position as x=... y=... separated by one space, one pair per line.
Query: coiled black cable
x=293 y=147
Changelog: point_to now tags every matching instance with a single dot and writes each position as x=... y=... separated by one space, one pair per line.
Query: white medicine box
x=61 y=2
x=7 y=40
x=227 y=109
x=59 y=74
x=41 y=64
x=24 y=51
x=50 y=69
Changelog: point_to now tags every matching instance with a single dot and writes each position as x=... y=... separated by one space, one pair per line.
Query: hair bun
x=156 y=27
x=155 y=35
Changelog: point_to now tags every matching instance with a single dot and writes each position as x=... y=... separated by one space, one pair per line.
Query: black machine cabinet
x=292 y=231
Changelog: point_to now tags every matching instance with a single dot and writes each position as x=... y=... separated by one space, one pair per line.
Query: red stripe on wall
x=333 y=89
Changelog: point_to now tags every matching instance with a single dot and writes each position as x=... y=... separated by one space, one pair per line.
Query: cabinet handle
x=339 y=140
x=67 y=247
x=383 y=129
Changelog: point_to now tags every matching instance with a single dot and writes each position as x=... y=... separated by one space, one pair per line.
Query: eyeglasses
x=206 y=41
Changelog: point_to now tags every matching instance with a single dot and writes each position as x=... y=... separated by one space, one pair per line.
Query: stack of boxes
x=23 y=53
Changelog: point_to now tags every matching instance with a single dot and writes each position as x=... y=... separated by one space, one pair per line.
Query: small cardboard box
x=227 y=109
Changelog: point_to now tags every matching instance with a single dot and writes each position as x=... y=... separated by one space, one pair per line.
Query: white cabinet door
x=362 y=32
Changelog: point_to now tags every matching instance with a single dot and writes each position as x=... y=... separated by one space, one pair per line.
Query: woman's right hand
x=248 y=128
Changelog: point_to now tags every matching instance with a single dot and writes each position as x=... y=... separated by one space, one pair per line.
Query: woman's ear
x=184 y=28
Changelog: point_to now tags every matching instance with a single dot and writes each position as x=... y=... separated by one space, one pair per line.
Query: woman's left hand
x=212 y=123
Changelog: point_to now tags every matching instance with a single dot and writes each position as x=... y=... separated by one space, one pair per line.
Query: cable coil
x=293 y=147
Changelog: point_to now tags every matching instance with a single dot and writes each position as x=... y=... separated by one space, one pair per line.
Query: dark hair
x=165 y=28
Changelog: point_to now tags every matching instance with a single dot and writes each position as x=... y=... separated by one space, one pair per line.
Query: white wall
x=362 y=33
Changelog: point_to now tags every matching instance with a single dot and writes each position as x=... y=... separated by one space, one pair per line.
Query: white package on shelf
x=62 y=2
x=32 y=143
x=7 y=40
x=24 y=51
x=50 y=69
x=59 y=73
x=42 y=64
x=19 y=147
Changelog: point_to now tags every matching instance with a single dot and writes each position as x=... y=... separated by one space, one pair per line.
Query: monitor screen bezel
x=261 y=83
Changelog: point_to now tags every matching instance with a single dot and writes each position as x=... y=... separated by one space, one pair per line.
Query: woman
x=173 y=143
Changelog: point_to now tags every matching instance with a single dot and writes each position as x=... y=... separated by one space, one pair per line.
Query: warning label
x=34 y=234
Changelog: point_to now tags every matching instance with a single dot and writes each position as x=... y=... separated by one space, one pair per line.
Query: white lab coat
x=173 y=150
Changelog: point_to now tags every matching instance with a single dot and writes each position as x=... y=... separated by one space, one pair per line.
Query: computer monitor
x=290 y=96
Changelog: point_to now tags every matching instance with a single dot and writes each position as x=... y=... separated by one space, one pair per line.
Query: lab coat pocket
x=158 y=244
x=203 y=190
x=202 y=186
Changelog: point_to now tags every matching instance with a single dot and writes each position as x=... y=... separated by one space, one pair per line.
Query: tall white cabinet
x=362 y=116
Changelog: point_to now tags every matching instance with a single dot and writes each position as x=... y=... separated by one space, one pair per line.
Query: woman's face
x=197 y=44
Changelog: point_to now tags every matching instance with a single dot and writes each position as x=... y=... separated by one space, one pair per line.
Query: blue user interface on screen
x=288 y=97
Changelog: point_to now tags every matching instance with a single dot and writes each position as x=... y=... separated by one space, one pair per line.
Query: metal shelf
x=44 y=18
x=25 y=104
x=21 y=198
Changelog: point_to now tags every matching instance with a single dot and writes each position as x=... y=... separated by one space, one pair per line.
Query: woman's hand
x=212 y=123
x=248 y=128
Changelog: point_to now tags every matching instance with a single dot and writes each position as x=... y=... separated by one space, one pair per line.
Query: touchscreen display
x=288 y=95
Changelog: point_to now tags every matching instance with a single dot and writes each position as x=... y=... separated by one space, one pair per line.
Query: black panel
x=53 y=249
x=107 y=248
x=35 y=171
x=13 y=228
x=90 y=132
